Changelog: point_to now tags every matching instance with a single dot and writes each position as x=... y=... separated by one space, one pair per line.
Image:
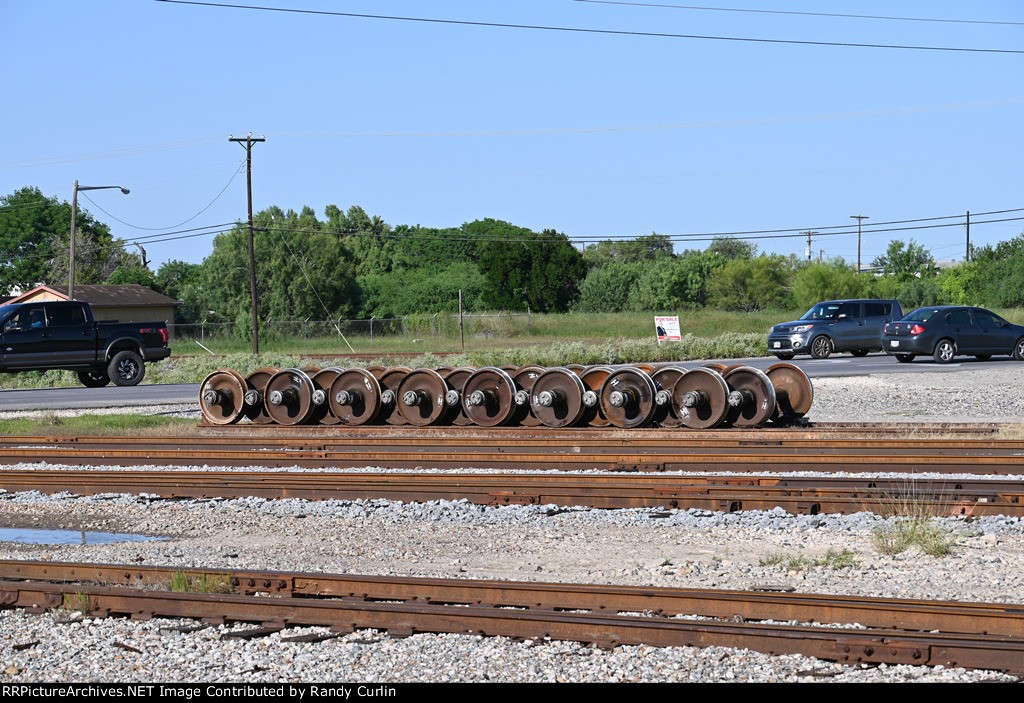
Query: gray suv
x=853 y=326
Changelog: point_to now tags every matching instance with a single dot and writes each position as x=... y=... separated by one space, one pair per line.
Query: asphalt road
x=111 y=396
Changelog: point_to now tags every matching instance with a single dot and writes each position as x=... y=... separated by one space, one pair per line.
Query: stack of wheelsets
x=626 y=396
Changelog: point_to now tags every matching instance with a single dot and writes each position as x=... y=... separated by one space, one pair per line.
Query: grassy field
x=118 y=425
x=494 y=333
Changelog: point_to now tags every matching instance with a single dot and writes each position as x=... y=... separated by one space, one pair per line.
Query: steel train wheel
x=456 y=380
x=289 y=397
x=525 y=377
x=556 y=398
x=377 y=371
x=794 y=392
x=701 y=398
x=715 y=366
x=355 y=397
x=751 y=397
x=322 y=381
x=421 y=397
x=646 y=368
x=222 y=397
x=257 y=381
x=665 y=380
x=575 y=368
x=488 y=398
x=592 y=379
x=390 y=380
x=627 y=397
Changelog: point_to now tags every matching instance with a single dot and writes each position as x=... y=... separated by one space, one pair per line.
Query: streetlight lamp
x=74 y=216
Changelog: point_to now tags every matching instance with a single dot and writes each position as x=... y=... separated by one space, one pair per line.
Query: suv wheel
x=126 y=368
x=860 y=352
x=905 y=358
x=945 y=350
x=821 y=347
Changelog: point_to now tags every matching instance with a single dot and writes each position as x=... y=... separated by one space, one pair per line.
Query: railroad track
x=636 y=451
x=865 y=630
x=728 y=494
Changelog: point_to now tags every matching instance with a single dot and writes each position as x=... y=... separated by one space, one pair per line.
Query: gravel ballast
x=693 y=548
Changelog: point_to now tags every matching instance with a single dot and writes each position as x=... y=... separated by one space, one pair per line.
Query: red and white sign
x=668 y=329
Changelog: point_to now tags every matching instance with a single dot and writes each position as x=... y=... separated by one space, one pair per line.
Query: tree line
x=349 y=264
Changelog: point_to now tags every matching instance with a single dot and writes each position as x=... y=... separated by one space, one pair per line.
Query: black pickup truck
x=57 y=335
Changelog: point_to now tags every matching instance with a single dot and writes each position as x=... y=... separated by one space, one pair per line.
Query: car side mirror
x=841 y=317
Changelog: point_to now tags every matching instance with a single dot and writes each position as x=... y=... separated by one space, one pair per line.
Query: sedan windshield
x=822 y=311
x=921 y=315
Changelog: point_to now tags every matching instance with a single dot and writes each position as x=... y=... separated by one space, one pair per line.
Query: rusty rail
x=729 y=494
x=573 y=451
x=974 y=635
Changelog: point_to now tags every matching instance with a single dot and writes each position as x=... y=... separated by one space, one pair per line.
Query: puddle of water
x=35 y=536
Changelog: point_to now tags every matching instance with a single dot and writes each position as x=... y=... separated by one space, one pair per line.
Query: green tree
x=422 y=290
x=731 y=248
x=34 y=233
x=607 y=288
x=302 y=272
x=963 y=284
x=751 y=284
x=905 y=260
x=182 y=281
x=524 y=270
x=627 y=251
x=819 y=281
x=675 y=282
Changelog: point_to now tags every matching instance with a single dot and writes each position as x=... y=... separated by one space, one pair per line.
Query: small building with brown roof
x=129 y=302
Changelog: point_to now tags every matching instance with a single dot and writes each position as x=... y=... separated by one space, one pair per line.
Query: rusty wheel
x=524 y=378
x=322 y=381
x=575 y=368
x=488 y=398
x=665 y=380
x=751 y=397
x=556 y=398
x=354 y=397
x=390 y=380
x=701 y=398
x=257 y=386
x=377 y=371
x=421 y=397
x=222 y=397
x=456 y=380
x=289 y=397
x=443 y=371
x=593 y=378
x=793 y=392
x=627 y=397
x=646 y=368
x=715 y=366
x=509 y=368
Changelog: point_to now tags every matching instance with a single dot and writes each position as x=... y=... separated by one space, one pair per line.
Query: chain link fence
x=411 y=326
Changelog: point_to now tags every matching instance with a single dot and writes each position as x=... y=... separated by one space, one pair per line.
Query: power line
x=803 y=14
x=127 y=151
x=185 y=222
x=583 y=30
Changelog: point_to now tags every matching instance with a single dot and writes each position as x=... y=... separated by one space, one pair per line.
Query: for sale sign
x=668 y=329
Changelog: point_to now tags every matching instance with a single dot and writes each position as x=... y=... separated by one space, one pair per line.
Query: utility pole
x=967 y=257
x=808 y=251
x=247 y=142
x=859 y=218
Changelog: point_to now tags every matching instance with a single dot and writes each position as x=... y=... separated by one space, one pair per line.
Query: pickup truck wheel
x=93 y=379
x=126 y=368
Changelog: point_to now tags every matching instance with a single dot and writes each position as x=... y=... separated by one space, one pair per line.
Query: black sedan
x=944 y=331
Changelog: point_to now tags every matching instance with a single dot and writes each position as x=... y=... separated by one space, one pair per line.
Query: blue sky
x=593 y=135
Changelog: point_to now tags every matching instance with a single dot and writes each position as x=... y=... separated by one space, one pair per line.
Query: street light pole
x=74 y=216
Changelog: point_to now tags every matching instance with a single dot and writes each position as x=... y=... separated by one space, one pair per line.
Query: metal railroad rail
x=638 y=451
x=896 y=631
x=660 y=491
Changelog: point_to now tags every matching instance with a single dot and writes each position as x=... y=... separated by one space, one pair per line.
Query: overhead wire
x=185 y=222
x=803 y=14
x=588 y=30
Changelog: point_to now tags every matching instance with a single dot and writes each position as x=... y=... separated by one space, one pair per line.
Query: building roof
x=107 y=296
